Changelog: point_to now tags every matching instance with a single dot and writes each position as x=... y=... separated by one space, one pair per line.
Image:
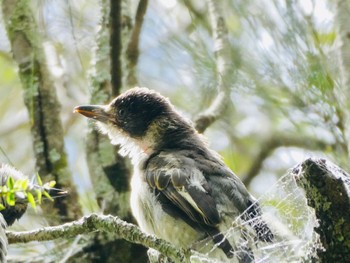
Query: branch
x=132 y=51
x=100 y=76
x=103 y=159
x=42 y=104
x=274 y=142
x=327 y=190
x=115 y=44
x=201 y=16
x=105 y=223
x=223 y=67
x=108 y=170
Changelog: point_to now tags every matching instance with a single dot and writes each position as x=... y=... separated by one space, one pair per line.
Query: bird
x=181 y=190
x=10 y=213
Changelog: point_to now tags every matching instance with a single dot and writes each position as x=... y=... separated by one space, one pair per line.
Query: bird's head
x=139 y=117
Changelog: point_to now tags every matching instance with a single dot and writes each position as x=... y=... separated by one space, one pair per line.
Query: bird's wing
x=185 y=186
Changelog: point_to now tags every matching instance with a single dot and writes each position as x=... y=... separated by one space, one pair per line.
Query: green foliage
x=31 y=199
x=20 y=187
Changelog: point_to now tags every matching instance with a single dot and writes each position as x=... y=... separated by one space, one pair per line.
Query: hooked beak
x=95 y=112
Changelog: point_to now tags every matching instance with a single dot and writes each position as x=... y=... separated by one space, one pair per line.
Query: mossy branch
x=107 y=223
x=41 y=102
x=108 y=171
x=327 y=189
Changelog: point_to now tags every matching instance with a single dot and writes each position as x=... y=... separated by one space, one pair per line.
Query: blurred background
x=283 y=105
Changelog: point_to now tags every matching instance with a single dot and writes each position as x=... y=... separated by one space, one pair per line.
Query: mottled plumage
x=181 y=190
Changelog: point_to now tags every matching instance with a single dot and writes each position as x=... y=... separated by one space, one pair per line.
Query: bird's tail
x=244 y=253
x=222 y=242
x=263 y=231
x=253 y=216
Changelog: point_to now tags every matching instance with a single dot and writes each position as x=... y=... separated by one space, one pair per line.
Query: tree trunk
x=43 y=107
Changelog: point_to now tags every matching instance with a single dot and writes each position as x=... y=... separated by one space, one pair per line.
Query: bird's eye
x=121 y=113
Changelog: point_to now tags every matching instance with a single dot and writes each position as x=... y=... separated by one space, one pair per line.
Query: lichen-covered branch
x=276 y=141
x=342 y=18
x=110 y=224
x=42 y=104
x=132 y=51
x=108 y=171
x=223 y=67
x=327 y=189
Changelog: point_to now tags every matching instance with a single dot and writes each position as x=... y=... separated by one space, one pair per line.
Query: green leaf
x=39 y=195
x=2 y=207
x=17 y=184
x=47 y=195
x=52 y=184
x=10 y=198
x=24 y=184
x=31 y=200
x=10 y=182
x=39 y=180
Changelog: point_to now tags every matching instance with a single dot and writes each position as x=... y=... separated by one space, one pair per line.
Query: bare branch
x=132 y=51
x=223 y=67
x=106 y=223
x=41 y=102
x=274 y=142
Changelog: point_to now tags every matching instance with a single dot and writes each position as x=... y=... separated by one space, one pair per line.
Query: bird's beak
x=96 y=112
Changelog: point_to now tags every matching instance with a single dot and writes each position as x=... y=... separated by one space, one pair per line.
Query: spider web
x=287 y=214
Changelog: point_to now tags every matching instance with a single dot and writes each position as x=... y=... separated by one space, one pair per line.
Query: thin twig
x=6 y=156
x=199 y=16
x=132 y=51
x=107 y=223
x=72 y=29
x=276 y=141
x=223 y=67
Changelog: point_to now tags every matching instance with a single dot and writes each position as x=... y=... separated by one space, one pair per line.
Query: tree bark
x=103 y=223
x=42 y=105
x=109 y=172
x=224 y=68
x=327 y=189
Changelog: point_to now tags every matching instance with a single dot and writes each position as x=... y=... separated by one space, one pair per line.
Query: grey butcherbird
x=181 y=190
